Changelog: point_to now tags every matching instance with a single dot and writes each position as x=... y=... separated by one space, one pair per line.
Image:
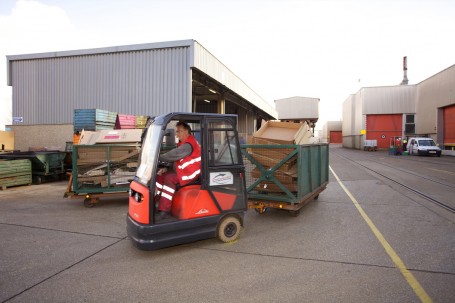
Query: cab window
x=223 y=145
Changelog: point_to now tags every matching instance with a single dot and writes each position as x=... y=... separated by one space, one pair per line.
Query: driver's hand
x=161 y=171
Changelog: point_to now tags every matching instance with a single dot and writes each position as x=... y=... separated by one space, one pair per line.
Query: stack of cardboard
x=278 y=133
x=107 y=158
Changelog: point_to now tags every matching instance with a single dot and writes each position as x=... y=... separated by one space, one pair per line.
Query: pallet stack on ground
x=15 y=172
x=125 y=121
x=93 y=119
x=141 y=121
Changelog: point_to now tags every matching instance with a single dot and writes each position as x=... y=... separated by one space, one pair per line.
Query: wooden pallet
x=15 y=172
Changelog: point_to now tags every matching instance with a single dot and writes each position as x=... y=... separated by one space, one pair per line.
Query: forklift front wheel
x=229 y=229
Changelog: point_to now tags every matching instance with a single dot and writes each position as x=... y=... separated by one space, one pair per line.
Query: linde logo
x=202 y=211
x=221 y=178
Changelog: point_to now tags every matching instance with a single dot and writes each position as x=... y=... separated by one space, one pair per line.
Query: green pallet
x=15 y=172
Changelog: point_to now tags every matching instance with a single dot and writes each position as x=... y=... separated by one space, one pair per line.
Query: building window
x=410 y=127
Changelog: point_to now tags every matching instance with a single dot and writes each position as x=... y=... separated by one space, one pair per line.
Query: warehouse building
x=145 y=79
x=381 y=113
x=331 y=132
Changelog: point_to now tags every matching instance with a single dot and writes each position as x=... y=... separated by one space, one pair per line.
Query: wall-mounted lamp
x=208 y=101
x=213 y=91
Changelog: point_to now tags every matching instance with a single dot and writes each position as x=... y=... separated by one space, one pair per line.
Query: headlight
x=130 y=192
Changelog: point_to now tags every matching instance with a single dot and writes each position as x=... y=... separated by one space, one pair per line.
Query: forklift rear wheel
x=229 y=229
x=88 y=202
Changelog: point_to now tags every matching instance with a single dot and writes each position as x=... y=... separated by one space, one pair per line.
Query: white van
x=423 y=146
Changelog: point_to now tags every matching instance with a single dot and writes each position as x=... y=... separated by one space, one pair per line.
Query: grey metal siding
x=297 y=108
x=143 y=82
x=433 y=93
x=207 y=63
x=388 y=99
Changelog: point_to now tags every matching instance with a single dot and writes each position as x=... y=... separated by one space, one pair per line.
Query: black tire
x=88 y=203
x=228 y=229
x=37 y=180
x=316 y=197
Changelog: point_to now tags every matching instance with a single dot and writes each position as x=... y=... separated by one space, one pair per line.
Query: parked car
x=423 y=146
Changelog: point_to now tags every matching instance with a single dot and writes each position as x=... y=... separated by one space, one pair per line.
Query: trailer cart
x=284 y=176
x=101 y=170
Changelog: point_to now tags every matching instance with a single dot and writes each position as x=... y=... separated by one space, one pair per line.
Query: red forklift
x=213 y=206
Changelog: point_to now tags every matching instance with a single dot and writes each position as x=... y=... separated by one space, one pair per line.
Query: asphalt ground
x=344 y=247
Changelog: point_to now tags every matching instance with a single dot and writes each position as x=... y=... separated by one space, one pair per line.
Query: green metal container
x=103 y=168
x=287 y=174
x=44 y=163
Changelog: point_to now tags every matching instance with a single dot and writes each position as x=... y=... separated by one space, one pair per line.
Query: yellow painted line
x=412 y=281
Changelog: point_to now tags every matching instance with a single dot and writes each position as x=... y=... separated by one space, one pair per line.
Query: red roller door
x=449 y=125
x=335 y=137
x=383 y=127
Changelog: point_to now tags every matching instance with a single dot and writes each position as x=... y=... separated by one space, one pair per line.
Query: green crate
x=15 y=172
x=285 y=173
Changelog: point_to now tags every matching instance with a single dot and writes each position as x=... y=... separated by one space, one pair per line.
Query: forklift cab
x=214 y=206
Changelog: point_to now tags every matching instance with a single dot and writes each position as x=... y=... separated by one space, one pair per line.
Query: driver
x=187 y=166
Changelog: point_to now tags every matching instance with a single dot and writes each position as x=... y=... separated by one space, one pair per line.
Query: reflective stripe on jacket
x=189 y=168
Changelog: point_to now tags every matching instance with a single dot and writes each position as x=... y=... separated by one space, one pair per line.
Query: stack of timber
x=15 y=172
x=275 y=133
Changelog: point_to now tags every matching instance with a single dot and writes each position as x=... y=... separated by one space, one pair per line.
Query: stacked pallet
x=93 y=119
x=141 y=121
x=15 y=172
x=277 y=133
x=125 y=121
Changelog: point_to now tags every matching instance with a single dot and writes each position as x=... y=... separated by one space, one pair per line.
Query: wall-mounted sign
x=383 y=136
x=363 y=132
x=18 y=119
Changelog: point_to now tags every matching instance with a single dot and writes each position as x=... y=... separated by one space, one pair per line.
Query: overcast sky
x=281 y=48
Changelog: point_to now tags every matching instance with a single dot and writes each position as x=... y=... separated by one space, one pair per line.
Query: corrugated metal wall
x=433 y=93
x=297 y=108
x=449 y=125
x=388 y=99
x=146 y=82
x=352 y=121
x=210 y=65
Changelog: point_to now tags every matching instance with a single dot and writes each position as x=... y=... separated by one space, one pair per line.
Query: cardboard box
x=285 y=132
x=118 y=136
